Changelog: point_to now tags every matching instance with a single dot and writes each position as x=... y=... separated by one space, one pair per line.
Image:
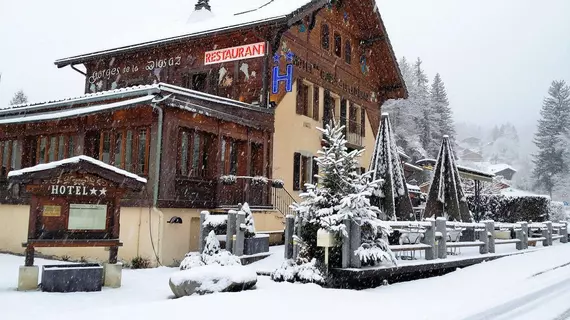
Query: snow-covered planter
x=259 y=181
x=212 y=278
x=257 y=244
x=228 y=180
x=278 y=183
x=292 y=271
x=212 y=255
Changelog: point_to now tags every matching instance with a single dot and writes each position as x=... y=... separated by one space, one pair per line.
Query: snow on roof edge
x=76 y=159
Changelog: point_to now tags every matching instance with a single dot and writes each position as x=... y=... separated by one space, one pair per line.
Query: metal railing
x=282 y=201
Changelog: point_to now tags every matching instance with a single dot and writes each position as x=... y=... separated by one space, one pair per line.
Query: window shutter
x=316 y=103
x=300 y=97
x=296 y=171
x=363 y=121
x=314 y=179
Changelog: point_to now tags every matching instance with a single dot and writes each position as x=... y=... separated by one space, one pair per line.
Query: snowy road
x=552 y=301
x=533 y=286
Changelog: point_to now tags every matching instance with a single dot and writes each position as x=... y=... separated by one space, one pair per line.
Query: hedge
x=510 y=209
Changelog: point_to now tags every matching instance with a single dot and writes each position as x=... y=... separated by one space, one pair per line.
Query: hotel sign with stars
x=59 y=190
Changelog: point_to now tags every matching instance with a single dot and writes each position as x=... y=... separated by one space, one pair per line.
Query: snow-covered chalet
x=237 y=91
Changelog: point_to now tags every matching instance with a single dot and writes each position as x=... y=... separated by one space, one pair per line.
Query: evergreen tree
x=341 y=193
x=249 y=222
x=19 y=98
x=551 y=161
x=443 y=116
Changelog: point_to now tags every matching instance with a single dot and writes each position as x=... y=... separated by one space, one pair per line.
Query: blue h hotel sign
x=277 y=77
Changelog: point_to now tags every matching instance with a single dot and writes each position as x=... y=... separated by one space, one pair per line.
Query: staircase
x=282 y=200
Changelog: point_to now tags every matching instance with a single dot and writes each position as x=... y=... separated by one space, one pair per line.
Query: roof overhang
x=464 y=172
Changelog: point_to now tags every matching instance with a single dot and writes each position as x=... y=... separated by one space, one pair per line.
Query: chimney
x=203 y=4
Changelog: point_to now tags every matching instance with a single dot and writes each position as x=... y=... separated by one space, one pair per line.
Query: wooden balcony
x=244 y=190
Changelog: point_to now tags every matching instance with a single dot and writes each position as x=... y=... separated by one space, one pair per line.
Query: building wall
x=298 y=133
x=140 y=229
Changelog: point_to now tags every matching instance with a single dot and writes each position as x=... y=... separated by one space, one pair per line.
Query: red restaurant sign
x=248 y=51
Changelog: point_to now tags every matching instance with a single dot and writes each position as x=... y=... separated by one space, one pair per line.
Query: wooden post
x=564 y=233
x=355 y=242
x=483 y=249
x=524 y=228
x=231 y=230
x=441 y=227
x=30 y=252
x=346 y=244
x=490 y=227
x=520 y=237
x=202 y=236
x=289 y=230
x=429 y=239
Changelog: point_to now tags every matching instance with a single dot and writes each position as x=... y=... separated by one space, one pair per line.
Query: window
x=196 y=81
x=337 y=44
x=194 y=150
x=304 y=171
x=307 y=100
x=353 y=115
x=302 y=98
x=230 y=151
x=53 y=148
x=8 y=156
x=348 y=52
x=126 y=149
x=325 y=36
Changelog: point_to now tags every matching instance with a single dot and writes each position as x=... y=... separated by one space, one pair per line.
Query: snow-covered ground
x=527 y=286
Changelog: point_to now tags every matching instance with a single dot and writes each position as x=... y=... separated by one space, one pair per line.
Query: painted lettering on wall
x=235 y=53
x=163 y=63
x=59 y=190
x=277 y=77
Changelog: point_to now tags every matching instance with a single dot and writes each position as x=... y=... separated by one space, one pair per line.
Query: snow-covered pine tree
x=249 y=223
x=212 y=245
x=19 y=98
x=341 y=193
x=387 y=168
x=422 y=103
x=551 y=163
x=446 y=197
x=443 y=116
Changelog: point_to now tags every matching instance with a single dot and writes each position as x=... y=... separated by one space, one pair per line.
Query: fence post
x=297 y=232
x=202 y=236
x=355 y=242
x=545 y=236
x=346 y=244
x=564 y=232
x=490 y=228
x=524 y=228
x=429 y=239
x=441 y=227
x=549 y=228
x=232 y=217
x=240 y=235
x=520 y=237
x=289 y=230
x=483 y=249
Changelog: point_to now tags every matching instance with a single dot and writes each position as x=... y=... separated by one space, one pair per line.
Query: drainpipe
x=155 y=106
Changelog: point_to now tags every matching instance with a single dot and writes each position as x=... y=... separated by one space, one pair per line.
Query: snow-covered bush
x=212 y=255
x=228 y=180
x=557 y=211
x=278 y=183
x=510 y=209
x=300 y=270
x=216 y=222
x=249 y=223
x=374 y=249
x=259 y=180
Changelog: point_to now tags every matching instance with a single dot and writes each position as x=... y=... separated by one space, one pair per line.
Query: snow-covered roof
x=110 y=94
x=77 y=112
x=30 y=112
x=512 y=192
x=226 y=15
x=500 y=167
x=77 y=159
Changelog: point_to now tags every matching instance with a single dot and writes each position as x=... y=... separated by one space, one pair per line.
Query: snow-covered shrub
x=557 y=212
x=374 y=249
x=139 y=262
x=216 y=222
x=510 y=209
x=228 y=180
x=249 y=222
x=300 y=270
x=212 y=255
x=290 y=271
x=259 y=180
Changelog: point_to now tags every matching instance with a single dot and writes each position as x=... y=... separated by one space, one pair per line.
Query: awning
x=76 y=112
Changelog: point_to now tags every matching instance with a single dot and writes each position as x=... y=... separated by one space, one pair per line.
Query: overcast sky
x=497 y=57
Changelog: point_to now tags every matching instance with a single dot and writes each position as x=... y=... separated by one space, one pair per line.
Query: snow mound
x=212 y=278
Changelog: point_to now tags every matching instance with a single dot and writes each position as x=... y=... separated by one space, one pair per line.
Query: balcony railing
x=352 y=132
x=244 y=189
